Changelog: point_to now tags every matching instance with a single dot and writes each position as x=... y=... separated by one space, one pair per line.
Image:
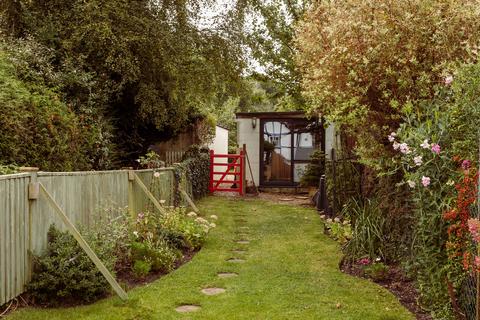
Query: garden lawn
x=290 y=272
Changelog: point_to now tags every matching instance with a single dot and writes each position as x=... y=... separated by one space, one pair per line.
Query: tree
x=155 y=71
x=270 y=37
x=361 y=61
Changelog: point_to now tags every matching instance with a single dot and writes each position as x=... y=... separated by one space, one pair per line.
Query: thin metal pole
x=478 y=248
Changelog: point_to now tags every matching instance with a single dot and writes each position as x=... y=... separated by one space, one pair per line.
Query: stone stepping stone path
x=227 y=275
x=186 y=308
x=212 y=291
x=236 y=260
x=239 y=251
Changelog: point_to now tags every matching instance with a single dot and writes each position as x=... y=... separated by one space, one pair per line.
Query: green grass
x=291 y=272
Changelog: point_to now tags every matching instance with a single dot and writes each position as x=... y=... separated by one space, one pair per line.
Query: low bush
x=196 y=166
x=156 y=254
x=65 y=273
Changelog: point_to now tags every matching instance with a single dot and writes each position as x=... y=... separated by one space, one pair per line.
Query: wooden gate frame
x=238 y=162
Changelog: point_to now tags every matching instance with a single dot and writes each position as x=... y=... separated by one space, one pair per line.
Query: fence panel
x=14 y=235
x=24 y=224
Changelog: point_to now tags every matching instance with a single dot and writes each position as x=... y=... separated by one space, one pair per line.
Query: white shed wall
x=250 y=136
x=219 y=145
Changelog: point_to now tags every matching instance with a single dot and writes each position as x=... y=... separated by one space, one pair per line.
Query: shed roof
x=277 y=115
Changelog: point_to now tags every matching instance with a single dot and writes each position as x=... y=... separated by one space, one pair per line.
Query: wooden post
x=84 y=245
x=243 y=176
x=149 y=194
x=33 y=194
x=188 y=199
x=131 y=194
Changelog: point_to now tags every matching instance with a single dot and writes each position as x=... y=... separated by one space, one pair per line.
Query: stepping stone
x=244 y=228
x=187 y=308
x=239 y=251
x=302 y=197
x=242 y=241
x=227 y=274
x=213 y=291
x=286 y=199
x=235 y=260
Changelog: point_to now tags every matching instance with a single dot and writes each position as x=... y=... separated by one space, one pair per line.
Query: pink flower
x=436 y=148
x=466 y=164
x=418 y=160
x=448 y=80
x=364 y=261
x=425 y=181
x=477 y=262
x=474 y=228
x=396 y=145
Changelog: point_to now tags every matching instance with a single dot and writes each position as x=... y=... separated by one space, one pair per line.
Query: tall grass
x=368 y=230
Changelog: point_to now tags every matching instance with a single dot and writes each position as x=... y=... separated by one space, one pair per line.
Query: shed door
x=286 y=146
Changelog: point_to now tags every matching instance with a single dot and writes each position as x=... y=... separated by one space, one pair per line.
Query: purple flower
x=140 y=216
x=391 y=136
x=425 y=181
x=436 y=148
x=466 y=164
x=404 y=148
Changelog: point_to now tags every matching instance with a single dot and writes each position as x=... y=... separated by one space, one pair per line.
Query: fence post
x=212 y=167
x=243 y=174
x=33 y=194
x=131 y=194
x=334 y=181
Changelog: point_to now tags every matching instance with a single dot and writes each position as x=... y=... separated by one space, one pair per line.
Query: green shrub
x=65 y=273
x=196 y=166
x=158 y=254
x=8 y=169
x=377 y=271
x=141 y=268
x=313 y=171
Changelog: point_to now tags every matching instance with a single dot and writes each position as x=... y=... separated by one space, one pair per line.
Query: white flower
x=425 y=144
x=391 y=136
x=404 y=148
x=212 y=225
x=135 y=233
x=450 y=182
x=337 y=220
x=418 y=160
x=156 y=174
x=396 y=145
x=411 y=184
x=329 y=220
x=323 y=216
x=378 y=259
x=201 y=220
x=214 y=217
x=191 y=214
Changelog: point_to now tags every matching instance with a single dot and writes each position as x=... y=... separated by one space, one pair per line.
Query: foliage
x=270 y=37
x=8 y=169
x=362 y=61
x=378 y=271
x=141 y=268
x=34 y=115
x=156 y=254
x=65 y=273
x=313 y=171
x=196 y=166
x=338 y=230
x=151 y=160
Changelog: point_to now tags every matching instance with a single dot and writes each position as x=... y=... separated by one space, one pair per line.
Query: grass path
x=290 y=272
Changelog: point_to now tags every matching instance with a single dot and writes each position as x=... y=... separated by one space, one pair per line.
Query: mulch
x=397 y=283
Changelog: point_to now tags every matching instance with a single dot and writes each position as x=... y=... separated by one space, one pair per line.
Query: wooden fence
x=82 y=196
x=172 y=157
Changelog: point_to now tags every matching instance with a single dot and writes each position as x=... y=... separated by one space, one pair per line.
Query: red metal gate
x=234 y=166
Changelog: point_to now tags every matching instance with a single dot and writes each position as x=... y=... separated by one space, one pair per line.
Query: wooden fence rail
x=82 y=196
